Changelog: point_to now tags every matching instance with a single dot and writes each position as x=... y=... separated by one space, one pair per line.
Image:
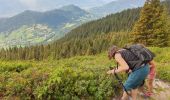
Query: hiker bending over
x=128 y=60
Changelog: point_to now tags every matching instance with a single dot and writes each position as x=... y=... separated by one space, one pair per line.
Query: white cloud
x=11 y=7
x=30 y=4
x=109 y=0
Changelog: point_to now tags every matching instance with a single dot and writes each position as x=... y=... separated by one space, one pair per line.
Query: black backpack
x=142 y=53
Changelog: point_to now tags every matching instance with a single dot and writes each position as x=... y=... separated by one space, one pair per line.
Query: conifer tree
x=151 y=28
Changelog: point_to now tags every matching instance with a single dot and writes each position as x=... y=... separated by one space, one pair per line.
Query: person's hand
x=129 y=71
x=110 y=72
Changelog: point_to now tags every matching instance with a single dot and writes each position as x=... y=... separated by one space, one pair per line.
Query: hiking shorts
x=136 y=78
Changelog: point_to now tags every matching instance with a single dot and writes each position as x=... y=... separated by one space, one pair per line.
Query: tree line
x=150 y=28
x=80 y=46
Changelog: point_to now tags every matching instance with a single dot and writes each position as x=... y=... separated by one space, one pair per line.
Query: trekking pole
x=119 y=80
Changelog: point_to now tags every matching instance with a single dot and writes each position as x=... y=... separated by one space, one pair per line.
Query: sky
x=10 y=8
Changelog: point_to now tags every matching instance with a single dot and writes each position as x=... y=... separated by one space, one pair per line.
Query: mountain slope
x=59 y=21
x=82 y=75
x=27 y=36
x=116 y=6
x=122 y=21
x=51 y=18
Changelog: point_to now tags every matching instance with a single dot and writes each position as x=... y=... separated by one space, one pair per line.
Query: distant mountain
x=59 y=21
x=117 y=22
x=9 y=9
x=1 y=19
x=83 y=3
x=116 y=6
x=51 y=18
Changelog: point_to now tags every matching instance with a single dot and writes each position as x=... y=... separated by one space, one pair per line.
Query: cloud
x=30 y=4
x=107 y=1
x=11 y=7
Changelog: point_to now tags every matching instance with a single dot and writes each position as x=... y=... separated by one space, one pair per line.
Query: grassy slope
x=78 y=77
x=26 y=35
x=162 y=63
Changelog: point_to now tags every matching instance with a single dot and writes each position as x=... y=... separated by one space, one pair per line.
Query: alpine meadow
x=62 y=54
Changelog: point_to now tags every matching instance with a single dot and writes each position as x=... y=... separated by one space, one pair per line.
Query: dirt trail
x=161 y=91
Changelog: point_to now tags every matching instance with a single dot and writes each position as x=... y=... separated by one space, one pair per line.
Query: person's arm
x=152 y=67
x=123 y=66
x=152 y=64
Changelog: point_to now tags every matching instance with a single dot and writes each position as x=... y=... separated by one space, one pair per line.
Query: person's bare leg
x=125 y=96
x=141 y=89
x=150 y=85
x=134 y=94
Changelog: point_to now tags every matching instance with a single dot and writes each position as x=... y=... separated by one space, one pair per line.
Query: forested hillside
x=122 y=21
x=90 y=38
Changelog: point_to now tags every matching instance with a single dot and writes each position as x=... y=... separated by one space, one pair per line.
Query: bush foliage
x=81 y=77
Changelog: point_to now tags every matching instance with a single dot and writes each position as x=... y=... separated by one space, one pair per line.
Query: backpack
x=142 y=53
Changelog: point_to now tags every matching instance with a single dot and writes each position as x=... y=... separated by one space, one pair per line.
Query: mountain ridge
x=51 y=18
x=116 y=6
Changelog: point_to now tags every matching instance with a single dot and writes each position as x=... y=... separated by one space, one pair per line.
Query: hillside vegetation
x=80 y=77
x=27 y=36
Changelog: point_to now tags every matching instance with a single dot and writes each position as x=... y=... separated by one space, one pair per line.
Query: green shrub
x=81 y=77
